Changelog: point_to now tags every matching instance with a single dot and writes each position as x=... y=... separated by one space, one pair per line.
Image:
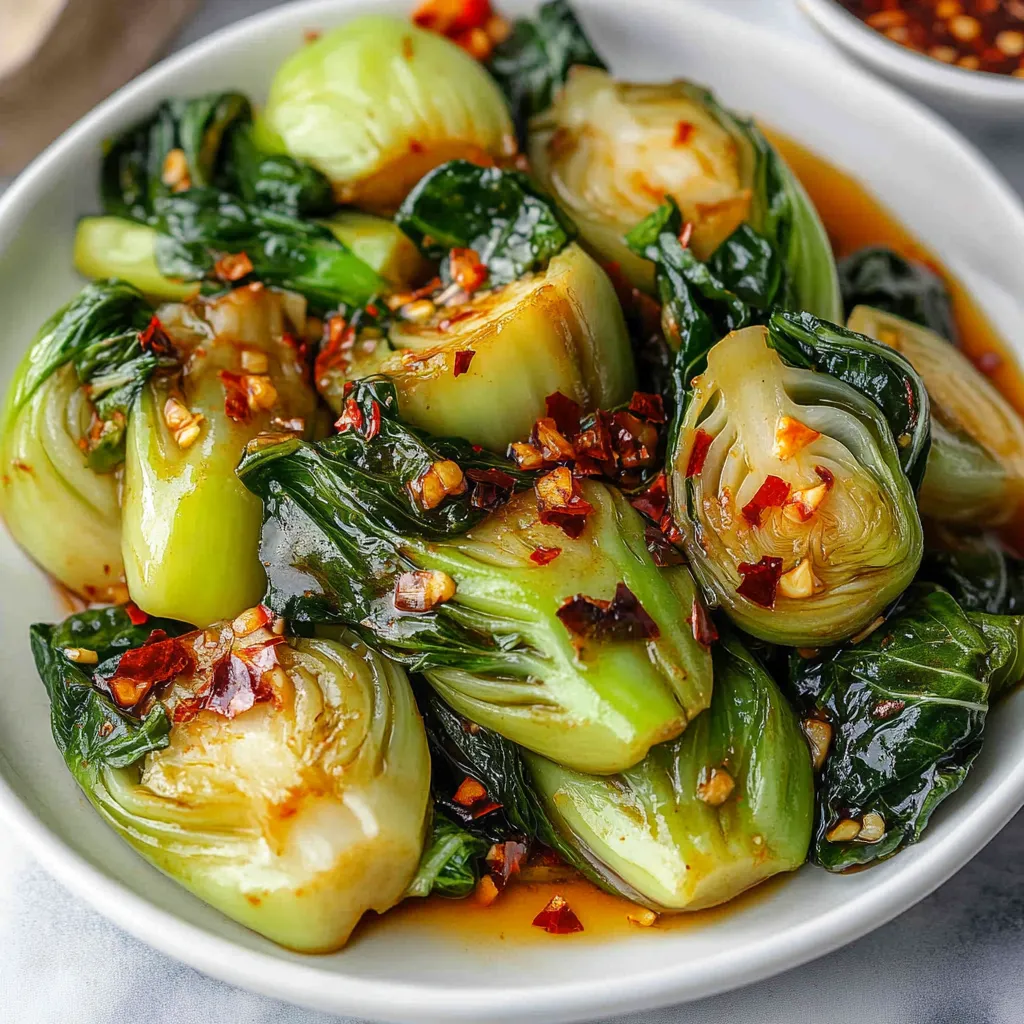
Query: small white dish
x=941 y=189
x=953 y=90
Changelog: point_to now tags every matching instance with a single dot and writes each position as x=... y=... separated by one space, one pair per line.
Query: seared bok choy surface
x=464 y=359
x=284 y=781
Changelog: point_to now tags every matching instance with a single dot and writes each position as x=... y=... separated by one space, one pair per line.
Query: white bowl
x=943 y=190
x=955 y=90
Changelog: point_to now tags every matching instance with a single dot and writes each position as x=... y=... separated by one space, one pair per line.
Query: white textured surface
x=954 y=958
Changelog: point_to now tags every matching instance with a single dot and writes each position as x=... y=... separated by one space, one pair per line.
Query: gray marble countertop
x=953 y=959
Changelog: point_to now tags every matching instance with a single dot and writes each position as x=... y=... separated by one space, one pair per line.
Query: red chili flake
x=704 y=631
x=505 y=860
x=686 y=234
x=653 y=502
x=825 y=476
x=351 y=418
x=452 y=18
x=557 y=918
x=542 y=555
x=336 y=353
x=662 y=550
x=650 y=407
x=670 y=529
x=684 y=130
x=760 y=581
x=154 y=336
x=988 y=362
x=622 y=618
x=565 y=412
x=553 y=444
x=487 y=807
x=634 y=441
x=561 y=503
x=491 y=488
x=233 y=689
x=470 y=791
x=233 y=266
x=142 y=668
x=887 y=708
x=415 y=146
x=311 y=35
x=699 y=452
x=373 y=427
x=771 y=494
x=466 y=269
x=911 y=403
x=462 y=360
x=135 y=614
x=595 y=440
x=236 y=397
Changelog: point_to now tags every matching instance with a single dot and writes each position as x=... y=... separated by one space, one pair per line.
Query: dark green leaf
x=875 y=370
x=199 y=225
x=450 y=865
x=100 y=332
x=880 y=277
x=501 y=215
x=498 y=764
x=532 y=64
x=90 y=730
x=977 y=570
x=336 y=516
x=908 y=707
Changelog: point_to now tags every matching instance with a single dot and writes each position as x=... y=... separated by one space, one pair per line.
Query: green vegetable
x=450 y=863
x=727 y=805
x=63 y=434
x=654 y=833
x=881 y=278
x=382 y=246
x=341 y=527
x=907 y=707
x=498 y=214
x=114 y=247
x=975 y=470
x=559 y=329
x=610 y=152
x=796 y=512
x=378 y=102
x=291 y=798
x=191 y=530
x=199 y=143
x=193 y=172
x=976 y=569
x=534 y=62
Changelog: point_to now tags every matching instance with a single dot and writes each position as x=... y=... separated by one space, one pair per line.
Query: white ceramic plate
x=942 y=189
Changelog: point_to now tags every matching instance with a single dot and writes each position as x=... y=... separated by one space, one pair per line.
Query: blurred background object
x=59 y=58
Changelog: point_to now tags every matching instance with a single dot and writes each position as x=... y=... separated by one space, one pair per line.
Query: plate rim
x=383 y=999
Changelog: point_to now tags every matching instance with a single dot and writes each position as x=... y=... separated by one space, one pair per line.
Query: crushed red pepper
x=704 y=631
x=760 y=580
x=462 y=360
x=233 y=266
x=977 y=35
x=771 y=494
x=135 y=614
x=699 y=452
x=542 y=555
x=142 y=668
x=621 y=618
x=557 y=918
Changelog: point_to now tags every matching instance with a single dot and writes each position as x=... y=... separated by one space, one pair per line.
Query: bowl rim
x=848 y=31
x=303 y=982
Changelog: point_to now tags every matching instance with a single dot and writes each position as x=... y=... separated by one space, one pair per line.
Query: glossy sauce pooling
x=854 y=219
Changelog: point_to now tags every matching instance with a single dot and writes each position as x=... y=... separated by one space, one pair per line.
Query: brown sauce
x=853 y=218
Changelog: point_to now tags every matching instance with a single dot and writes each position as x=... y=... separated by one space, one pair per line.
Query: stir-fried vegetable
x=905 y=710
x=883 y=279
x=611 y=152
x=283 y=781
x=64 y=434
x=545 y=619
x=191 y=530
x=520 y=313
x=975 y=473
x=378 y=102
x=533 y=63
x=700 y=819
x=788 y=486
